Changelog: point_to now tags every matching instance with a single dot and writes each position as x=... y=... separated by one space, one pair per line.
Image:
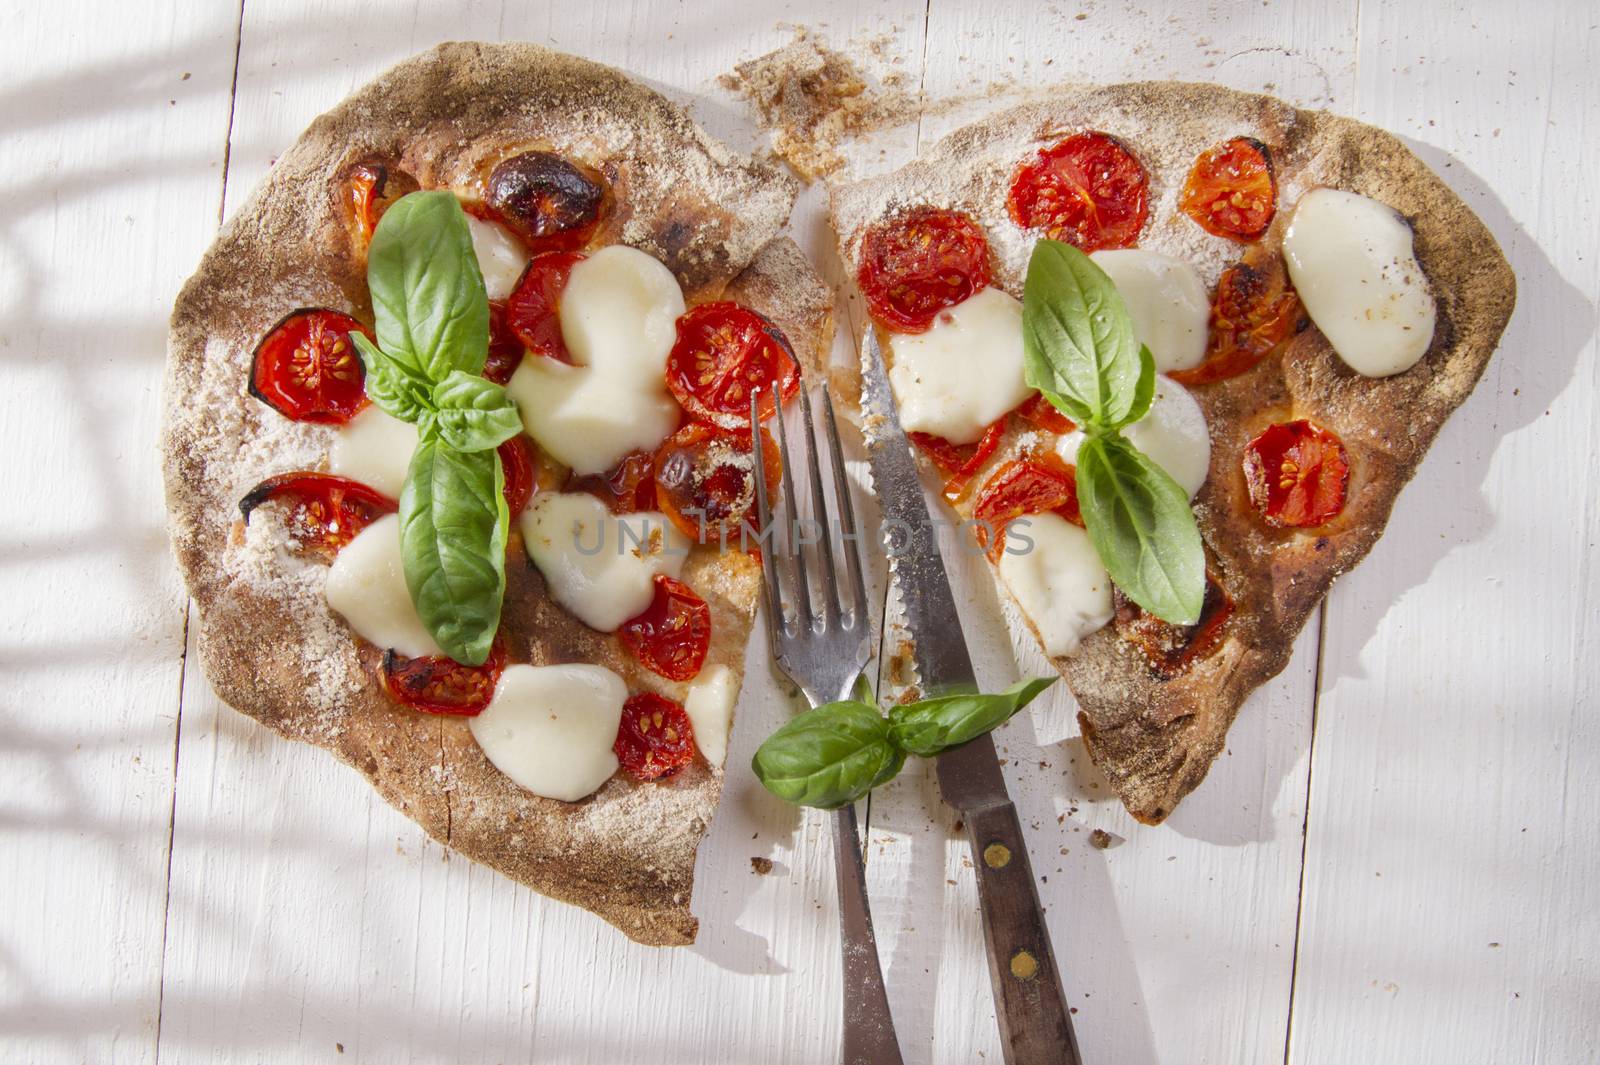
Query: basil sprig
x=933 y=725
x=433 y=337
x=1080 y=352
x=833 y=755
x=829 y=756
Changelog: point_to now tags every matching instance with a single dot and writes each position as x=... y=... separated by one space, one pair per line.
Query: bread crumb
x=761 y=866
x=814 y=99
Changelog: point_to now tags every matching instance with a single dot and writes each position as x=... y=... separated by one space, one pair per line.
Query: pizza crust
x=268 y=641
x=1156 y=739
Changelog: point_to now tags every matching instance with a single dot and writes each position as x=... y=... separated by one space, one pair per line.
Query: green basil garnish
x=1080 y=352
x=933 y=726
x=838 y=752
x=1143 y=530
x=1078 y=343
x=394 y=386
x=472 y=414
x=828 y=756
x=433 y=336
x=453 y=527
x=427 y=291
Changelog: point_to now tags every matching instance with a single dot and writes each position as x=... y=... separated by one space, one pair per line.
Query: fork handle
x=1035 y=1027
x=869 y=1037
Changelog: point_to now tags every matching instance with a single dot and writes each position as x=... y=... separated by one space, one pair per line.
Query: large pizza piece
x=1316 y=302
x=633 y=288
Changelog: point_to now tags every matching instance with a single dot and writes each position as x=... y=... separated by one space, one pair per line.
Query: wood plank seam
x=183 y=662
x=1305 y=828
x=172 y=824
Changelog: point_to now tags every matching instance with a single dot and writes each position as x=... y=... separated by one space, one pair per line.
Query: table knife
x=1035 y=1026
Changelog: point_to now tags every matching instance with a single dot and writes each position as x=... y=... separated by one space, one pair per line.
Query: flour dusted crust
x=268 y=641
x=1156 y=739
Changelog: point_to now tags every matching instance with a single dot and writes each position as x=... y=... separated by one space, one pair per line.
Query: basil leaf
x=829 y=756
x=930 y=726
x=1142 y=528
x=473 y=414
x=427 y=292
x=453 y=527
x=1144 y=393
x=393 y=386
x=1077 y=336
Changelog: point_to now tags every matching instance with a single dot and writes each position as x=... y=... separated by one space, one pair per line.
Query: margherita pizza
x=1315 y=302
x=457 y=417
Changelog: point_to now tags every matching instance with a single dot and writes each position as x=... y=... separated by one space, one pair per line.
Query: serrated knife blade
x=969 y=776
x=1035 y=1024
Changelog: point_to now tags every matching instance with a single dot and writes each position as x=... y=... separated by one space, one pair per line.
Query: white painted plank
x=306 y=914
x=113 y=148
x=1453 y=879
x=1177 y=944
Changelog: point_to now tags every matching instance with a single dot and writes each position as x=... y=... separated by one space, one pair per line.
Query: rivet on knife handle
x=1035 y=1024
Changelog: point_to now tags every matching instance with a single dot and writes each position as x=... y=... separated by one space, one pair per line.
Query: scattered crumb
x=337 y=1046
x=1101 y=840
x=814 y=99
x=761 y=866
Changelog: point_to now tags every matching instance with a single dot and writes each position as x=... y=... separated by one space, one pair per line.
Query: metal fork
x=823 y=651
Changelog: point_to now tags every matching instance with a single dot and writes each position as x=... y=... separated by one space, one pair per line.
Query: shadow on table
x=1446 y=506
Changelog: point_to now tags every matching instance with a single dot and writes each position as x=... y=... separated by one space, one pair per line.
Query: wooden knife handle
x=1035 y=1027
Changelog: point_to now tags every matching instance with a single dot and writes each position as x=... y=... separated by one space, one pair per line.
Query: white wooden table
x=1398 y=859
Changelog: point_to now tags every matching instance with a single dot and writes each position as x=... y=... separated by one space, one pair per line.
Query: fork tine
x=841 y=486
x=769 y=560
x=792 y=517
x=831 y=606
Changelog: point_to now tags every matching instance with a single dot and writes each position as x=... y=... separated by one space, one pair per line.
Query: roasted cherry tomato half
x=1297 y=473
x=1254 y=312
x=627 y=488
x=1037 y=485
x=325 y=512
x=1170 y=649
x=371 y=188
x=307 y=369
x=520 y=466
x=722 y=354
x=1043 y=414
x=918 y=263
x=960 y=461
x=533 y=308
x=705 y=481
x=551 y=203
x=505 y=350
x=440 y=685
x=673 y=634
x=1088 y=190
x=655 y=738
x=1231 y=190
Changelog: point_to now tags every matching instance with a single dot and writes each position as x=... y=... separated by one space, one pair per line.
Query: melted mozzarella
x=367 y=587
x=709 y=705
x=587 y=419
x=619 y=312
x=600 y=566
x=374 y=448
x=619 y=316
x=1166 y=300
x=1172 y=433
x=501 y=257
x=550 y=728
x=964 y=372
x=1352 y=261
x=1051 y=570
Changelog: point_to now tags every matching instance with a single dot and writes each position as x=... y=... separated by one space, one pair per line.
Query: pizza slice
x=623 y=280
x=1316 y=302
